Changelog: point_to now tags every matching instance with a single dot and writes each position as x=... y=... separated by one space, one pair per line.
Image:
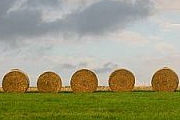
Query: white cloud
x=131 y=38
x=167 y=4
x=148 y=65
x=166 y=48
x=170 y=26
x=165 y=23
x=35 y=55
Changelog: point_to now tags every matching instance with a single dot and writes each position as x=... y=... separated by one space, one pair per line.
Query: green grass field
x=99 y=105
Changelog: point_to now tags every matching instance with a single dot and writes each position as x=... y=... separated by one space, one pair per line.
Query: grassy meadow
x=91 y=106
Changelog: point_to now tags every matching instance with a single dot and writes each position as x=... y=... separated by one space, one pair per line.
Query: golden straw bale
x=49 y=82
x=15 y=81
x=165 y=80
x=84 y=81
x=121 y=80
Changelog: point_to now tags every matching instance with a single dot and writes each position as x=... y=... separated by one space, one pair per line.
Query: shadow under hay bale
x=84 y=81
x=49 y=82
x=15 y=81
x=121 y=80
x=165 y=80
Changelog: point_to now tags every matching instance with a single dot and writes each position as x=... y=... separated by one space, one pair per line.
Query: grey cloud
x=16 y=49
x=5 y=5
x=107 y=67
x=36 y=3
x=21 y=23
x=67 y=66
x=107 y=16
x=83 y=65
x=96 y=19
x=25 y=22
x=40 y=4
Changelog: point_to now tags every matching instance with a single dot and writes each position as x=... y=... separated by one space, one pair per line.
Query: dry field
x=100 y=88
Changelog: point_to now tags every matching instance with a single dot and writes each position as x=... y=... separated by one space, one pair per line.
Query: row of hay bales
x=85 y=80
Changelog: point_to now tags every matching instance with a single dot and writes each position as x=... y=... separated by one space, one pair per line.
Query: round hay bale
x=49 y=82
x=15 y=81
x=165 y=80
x=121 y=80
x=84 y=81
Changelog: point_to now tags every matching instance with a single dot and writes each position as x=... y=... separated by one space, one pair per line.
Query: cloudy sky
x=102 y=35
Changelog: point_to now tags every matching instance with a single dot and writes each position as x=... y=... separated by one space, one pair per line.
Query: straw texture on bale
x=165 y=80
x=84 y=81
x=121 y=80
x=49 y=82
x=15 y=81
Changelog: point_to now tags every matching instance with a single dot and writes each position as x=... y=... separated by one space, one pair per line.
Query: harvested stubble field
x=99 y=88
x=90 y=106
